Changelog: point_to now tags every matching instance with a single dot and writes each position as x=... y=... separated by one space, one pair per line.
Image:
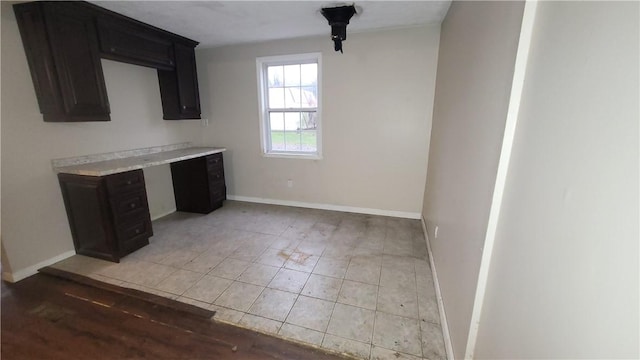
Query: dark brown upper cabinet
x=121 y=40
x=64 y=41
x=61 y=44
x=179 y=88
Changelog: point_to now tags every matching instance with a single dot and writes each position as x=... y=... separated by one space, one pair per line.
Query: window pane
x=292 y=75
x=292 y=131
x=276 y=98
x=308 y=121
x=293 y=141
x=276 y=121
x=308 y=97
x=275 y=75
x=309 y=141
x=308 y=74
x=292 y=121
x=276 y=124
x=292 y=97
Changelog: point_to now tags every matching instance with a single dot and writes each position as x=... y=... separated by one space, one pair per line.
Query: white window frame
x=265 y=140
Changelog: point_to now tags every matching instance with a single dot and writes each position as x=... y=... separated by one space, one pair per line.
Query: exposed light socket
x=290 y=183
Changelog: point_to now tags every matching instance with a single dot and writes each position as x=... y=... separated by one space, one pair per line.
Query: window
x=289 y=92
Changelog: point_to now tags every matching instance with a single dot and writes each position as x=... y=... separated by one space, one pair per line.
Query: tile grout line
x=289 y=313
x=334 y=307
x=298 y=297
x=375 y=313
x=195 y=282
x=266 y=286
x=237 y=277
x=415 y=270
x=373 y=332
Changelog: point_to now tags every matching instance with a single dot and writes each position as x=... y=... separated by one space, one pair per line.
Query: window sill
x=292 y=156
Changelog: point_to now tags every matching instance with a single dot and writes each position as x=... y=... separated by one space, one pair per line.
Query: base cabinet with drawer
x=108 y=215
x=198 y=184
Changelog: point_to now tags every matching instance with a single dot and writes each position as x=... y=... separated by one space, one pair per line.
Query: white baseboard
x=351 y=209
x=32 y=270
x=443 y=316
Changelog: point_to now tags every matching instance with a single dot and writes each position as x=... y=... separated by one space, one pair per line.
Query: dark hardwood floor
x=47 y=317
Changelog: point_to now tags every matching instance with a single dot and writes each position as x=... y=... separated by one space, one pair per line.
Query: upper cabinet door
x=129 y=42
x=187 y=80
x=74 y=45
x=179 y=88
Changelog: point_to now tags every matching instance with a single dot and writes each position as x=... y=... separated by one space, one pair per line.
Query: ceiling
x=219 y=23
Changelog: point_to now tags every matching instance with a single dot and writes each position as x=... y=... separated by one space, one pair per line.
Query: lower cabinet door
x=85 y=200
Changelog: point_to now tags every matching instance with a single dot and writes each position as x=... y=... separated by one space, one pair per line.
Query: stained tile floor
x=351 y=283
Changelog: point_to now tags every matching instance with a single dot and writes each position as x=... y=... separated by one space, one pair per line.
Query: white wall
x=563 y=281
x=34 y=222
x=376 y=118
x=475 y=69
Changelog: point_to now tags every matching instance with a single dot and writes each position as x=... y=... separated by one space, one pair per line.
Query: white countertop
x=122 y=164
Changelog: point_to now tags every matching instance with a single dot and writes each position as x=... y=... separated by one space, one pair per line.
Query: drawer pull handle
x=132 y=205
x=137 y=231
x=129 y=182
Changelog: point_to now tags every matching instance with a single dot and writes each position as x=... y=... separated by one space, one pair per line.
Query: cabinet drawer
x=216 y=175
x=218 y=193
x=129 y=206
x=118 y=184
x=216 y=185
x=133 y=232
x=214 y=160
x=214 y=163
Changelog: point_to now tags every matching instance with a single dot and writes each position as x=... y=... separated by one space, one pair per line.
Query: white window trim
x=261 y=64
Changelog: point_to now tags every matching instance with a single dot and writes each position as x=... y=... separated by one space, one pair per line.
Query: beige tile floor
x=351 y=283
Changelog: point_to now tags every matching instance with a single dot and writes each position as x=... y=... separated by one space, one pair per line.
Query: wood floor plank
x=45 y=317
x=115 y=292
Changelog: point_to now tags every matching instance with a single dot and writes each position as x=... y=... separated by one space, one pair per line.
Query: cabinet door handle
x=128 y=182
x=170 y=62
x=132 y=205
x=137 y=231
x=184 y=107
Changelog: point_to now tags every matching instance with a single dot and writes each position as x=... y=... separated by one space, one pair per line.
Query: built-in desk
x=106 y=200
